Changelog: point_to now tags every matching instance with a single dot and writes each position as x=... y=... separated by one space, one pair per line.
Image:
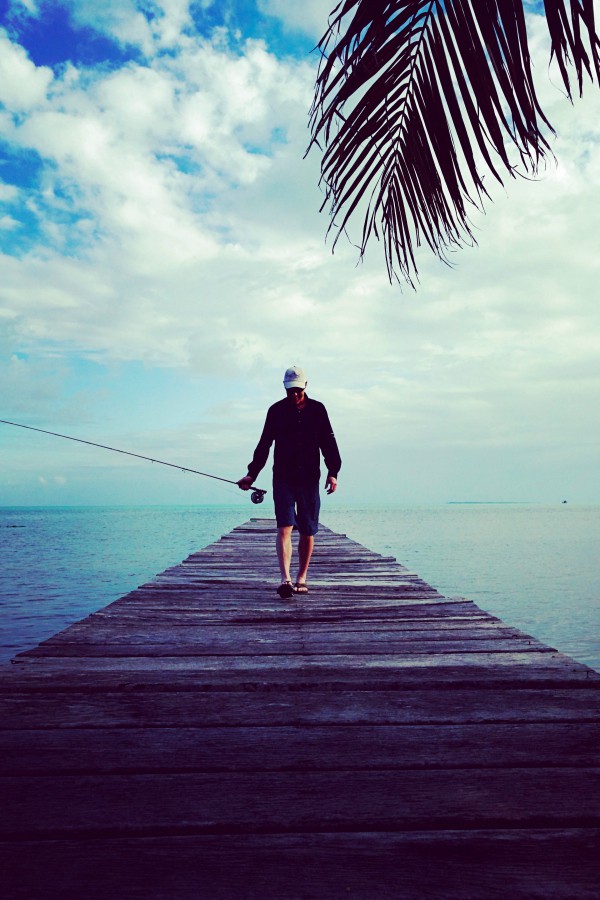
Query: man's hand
x=245 y=483
x=330 y=484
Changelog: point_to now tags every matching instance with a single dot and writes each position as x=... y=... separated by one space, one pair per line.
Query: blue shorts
x=297 y=505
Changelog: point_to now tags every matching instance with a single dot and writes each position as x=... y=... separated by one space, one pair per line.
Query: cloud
x=141 y=168
x=151 y=28
x=178 y=226
x=23 y=85
x=119 y=19
x=7 y=223
x=17 y=7
x=28 y=385
x=310 y=17
x=144 y=149
x=8 y=192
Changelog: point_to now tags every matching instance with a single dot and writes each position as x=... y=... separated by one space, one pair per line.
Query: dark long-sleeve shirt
x=300 y=436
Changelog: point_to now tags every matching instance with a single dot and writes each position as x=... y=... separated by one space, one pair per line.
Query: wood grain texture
x=467 y=865
x=202 y=738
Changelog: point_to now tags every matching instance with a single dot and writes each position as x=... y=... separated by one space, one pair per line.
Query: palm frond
x=415 y=102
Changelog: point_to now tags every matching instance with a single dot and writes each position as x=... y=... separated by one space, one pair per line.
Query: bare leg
x=284 y=551
x=305 y=549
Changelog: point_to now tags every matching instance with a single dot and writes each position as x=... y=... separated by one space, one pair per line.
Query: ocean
x=534 y=566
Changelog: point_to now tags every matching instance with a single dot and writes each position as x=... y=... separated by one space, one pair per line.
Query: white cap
x=294 y=378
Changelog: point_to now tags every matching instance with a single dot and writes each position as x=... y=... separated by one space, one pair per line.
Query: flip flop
x=285 y=590
x=300 y=587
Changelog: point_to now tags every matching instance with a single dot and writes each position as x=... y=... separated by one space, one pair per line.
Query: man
x=301 y=430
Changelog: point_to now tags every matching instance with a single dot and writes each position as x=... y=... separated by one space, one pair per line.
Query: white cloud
x=157 y=26
x=139 y=151
x=7 y=223
x=30 y=383
x=29 y=5
x=23 y=85
x=173 y=19
x=119 y=19
x=195 y=243
x=309 y=17
x=8 y=193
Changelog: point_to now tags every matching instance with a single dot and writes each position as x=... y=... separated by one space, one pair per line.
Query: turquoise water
x=534 y=566
x=59 y=564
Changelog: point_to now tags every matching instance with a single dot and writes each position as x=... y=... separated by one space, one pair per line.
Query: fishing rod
x=257 y=495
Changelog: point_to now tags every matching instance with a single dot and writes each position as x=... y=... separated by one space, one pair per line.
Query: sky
x=163 y=260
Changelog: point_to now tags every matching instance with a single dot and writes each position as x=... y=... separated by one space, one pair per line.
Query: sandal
x=285 y=590
x=300 y=587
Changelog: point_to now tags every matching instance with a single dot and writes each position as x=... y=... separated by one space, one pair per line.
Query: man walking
x=301 y=430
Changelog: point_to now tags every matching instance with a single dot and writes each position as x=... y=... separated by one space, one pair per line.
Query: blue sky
x=163 y=260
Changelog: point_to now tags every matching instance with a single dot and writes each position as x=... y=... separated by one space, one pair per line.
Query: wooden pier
x=201 y=738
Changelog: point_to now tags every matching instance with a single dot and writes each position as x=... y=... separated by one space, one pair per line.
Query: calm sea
x=534 y=566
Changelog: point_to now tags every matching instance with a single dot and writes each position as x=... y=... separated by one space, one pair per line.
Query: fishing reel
x=257 y=496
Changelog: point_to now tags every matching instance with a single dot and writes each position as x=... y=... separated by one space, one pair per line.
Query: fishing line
x=257 y=495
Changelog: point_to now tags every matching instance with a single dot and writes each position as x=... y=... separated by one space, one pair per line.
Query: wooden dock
x=201 y=738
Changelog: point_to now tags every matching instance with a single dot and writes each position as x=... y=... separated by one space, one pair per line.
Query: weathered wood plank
x=210 y=606
x=466 y=865
x=192 y=642
x=530 y=665
x=131 y=627
x=251 y=748
x=35 y=806
x=111 y=706
x=352 y=620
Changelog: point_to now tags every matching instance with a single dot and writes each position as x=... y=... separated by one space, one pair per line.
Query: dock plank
x=201 y=738
x=444 y=864
x=243 y=748
x=77 y=706
x=299 y=801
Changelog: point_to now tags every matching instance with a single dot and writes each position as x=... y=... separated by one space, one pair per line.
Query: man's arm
x=331 y=454
x=261 y=454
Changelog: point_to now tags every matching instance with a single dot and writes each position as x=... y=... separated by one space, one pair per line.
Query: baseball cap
x=294 y=378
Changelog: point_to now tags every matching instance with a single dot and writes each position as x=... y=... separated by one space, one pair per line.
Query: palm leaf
x=416 y=102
